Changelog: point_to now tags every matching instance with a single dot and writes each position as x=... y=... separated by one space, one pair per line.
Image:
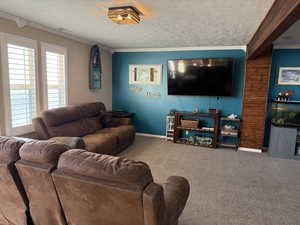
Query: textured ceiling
x=291 y=36
x=165 y=24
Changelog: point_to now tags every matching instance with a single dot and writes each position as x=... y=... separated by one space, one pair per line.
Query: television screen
x=206 y=77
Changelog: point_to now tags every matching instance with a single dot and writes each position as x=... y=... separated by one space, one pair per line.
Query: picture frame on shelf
x=289 y=76
x=146 y=74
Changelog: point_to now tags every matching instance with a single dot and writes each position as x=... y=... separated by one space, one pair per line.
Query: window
x=54 y=61
x=20 y=85
x=21 y=81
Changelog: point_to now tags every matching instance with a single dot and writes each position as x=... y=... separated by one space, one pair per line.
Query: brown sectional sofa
x=82 y=126
x=75 y=187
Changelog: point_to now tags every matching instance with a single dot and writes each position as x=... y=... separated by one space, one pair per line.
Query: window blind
x=22 y=84
x=55 y=71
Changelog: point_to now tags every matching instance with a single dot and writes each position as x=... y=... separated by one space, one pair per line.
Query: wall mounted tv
x=204 y=77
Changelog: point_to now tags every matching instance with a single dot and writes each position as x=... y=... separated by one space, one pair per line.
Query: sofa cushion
x=43 y=152
x=91 y=109
x=71 y=142
x=103 y=143
x=65 y=121
x=73 y=129
x=125 y=134
x=9 y=149
x=105 y=167
x=63 y=115
x=91 y=114
x=40 y=128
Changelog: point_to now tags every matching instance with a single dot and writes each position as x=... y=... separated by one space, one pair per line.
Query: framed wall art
x=147 y=74
x=289 y=76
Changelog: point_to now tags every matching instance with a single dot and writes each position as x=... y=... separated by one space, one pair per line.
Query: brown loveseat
x=83 y=126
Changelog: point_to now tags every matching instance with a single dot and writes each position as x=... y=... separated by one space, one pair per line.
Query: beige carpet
x=227 y=187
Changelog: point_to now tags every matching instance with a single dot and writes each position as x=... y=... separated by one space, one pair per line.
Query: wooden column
x=255 y=101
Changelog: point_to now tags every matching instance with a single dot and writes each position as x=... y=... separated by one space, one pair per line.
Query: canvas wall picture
x=289 y=76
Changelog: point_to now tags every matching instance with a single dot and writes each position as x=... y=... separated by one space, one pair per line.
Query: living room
x=145 y=112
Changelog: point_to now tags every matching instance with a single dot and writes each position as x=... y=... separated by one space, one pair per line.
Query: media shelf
x=178 y=128
x=232 y=133
x=170 y=127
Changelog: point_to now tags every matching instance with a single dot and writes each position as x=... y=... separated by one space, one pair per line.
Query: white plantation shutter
x=19 y=72
x=54 y=64
x=22 y=85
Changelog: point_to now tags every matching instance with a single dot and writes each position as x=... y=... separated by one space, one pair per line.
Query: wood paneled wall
x=255 y=101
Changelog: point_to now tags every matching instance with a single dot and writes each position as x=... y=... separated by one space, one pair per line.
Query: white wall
x=78 y=67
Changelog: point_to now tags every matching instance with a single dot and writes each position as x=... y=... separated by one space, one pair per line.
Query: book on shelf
x=229 y=132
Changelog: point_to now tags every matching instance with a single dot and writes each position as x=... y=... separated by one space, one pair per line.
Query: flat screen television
x=204 y=77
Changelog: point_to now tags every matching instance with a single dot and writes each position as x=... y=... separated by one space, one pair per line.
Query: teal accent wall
x=150 y=112
x=280 y=58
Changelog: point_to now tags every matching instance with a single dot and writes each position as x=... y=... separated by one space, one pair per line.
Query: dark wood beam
x=280 y=17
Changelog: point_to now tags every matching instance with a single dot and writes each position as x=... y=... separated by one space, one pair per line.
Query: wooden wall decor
x=95 y=69
x=145 y=74
x=255 y=101
x=280 y=17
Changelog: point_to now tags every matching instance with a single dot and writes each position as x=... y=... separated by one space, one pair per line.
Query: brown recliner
x=38 y=160
x=101 y=189
x=81 y=126
x=13 y=199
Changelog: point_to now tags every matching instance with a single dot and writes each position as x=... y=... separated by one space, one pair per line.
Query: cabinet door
x=282 y=142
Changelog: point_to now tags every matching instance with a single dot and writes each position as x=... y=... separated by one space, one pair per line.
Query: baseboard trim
x=150 y=135
x=250 y=150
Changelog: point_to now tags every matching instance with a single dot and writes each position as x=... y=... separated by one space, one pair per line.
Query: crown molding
x=25 y=22
x=286 y=46
x=242 y=47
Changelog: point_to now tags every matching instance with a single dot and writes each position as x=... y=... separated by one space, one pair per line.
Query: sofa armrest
x=123 y=121
x=154 y=205
x=176 y=193
x=71 y=142
x=40 y=128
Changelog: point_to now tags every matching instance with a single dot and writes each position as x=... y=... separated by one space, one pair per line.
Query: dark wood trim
x=280 y=17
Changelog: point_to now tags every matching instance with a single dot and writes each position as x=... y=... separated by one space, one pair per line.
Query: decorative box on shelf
x=190 y=123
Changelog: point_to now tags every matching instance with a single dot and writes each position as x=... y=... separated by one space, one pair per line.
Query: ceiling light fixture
x=124 y=15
